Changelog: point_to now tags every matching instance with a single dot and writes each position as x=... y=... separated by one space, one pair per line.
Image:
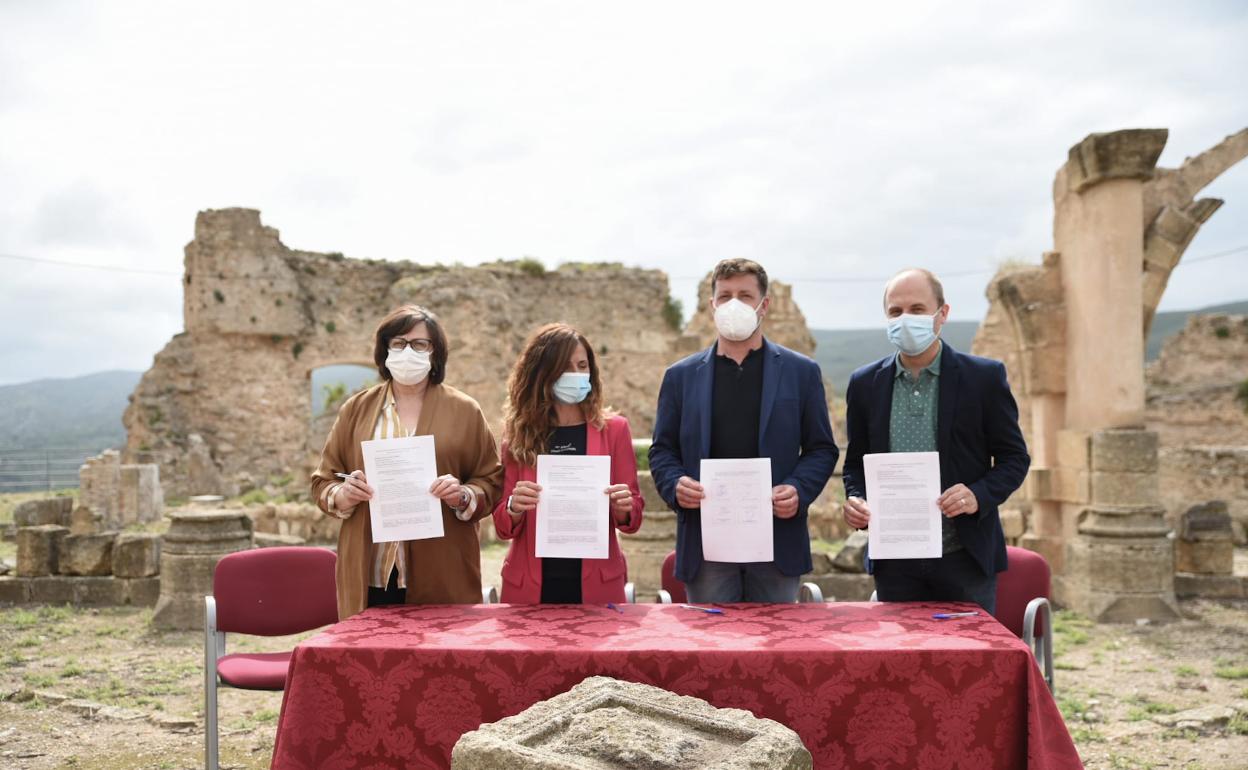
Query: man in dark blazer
x=930 y=397
x=743 y=397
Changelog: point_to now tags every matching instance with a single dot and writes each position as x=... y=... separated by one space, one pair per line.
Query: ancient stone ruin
x=1071 y=332
x=605 y=723
x=65 y=555
x=226 y=403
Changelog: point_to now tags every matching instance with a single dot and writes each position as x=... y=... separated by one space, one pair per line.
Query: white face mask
x=736 y=320
x=408 y=367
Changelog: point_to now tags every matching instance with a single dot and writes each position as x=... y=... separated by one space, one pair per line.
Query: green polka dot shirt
x=912 y=423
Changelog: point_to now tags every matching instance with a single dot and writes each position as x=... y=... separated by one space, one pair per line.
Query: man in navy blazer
x=743 y=397
x=930 y=397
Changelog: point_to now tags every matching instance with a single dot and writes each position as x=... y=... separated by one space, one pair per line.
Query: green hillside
x=841 y=351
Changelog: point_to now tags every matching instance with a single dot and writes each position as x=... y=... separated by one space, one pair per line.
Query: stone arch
x=1173 y=214
x=1072 y=330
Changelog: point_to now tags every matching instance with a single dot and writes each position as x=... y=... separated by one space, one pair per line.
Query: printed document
x=400 y=471
x=573 y=510
x=902 y=489
x=736 y=512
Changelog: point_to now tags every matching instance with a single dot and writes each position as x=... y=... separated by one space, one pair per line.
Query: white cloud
x=824 y=141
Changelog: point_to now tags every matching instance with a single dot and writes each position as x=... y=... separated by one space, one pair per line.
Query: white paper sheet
x=736 y=512
x=902 y=489
x=400 y=471
x=573 y=510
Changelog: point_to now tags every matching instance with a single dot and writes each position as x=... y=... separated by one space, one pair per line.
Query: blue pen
x=611 y=606
x=707 y=610
x=950 y=615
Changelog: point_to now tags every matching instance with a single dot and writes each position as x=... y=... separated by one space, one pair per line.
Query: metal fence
x=35 y=470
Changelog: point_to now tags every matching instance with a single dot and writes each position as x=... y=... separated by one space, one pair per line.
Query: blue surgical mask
x=912 y=334
x=572 y=387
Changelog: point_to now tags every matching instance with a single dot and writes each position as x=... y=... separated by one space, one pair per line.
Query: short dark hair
x=400 y=321
x=937 y=289
x=727 y=268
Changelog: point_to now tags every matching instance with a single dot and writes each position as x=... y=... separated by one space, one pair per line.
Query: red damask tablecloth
x=876 y=685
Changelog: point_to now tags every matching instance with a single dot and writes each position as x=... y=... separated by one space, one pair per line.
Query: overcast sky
x=831 y=144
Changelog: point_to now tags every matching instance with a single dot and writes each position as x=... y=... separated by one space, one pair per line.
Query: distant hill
x=841 y=351
x=80 y=412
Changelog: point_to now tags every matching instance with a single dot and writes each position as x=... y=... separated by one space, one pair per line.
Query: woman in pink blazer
x=555 y=406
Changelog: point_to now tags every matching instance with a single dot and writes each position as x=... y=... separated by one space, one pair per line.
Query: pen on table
x=707 y=610
x=948 y=615
x=613 y=606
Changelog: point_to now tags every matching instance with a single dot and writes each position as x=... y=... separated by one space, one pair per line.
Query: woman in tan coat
x=410 y=351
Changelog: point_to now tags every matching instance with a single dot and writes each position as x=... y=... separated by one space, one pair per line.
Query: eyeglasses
x=420 y=345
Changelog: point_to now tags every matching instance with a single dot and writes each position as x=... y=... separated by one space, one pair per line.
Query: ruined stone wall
x=1194 y=404
x=260 y=317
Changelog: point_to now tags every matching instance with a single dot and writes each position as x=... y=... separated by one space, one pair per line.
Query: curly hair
x=529 y=414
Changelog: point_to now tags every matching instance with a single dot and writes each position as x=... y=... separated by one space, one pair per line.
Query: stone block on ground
x=38 y=550
x=1205 y=545
x=57 y=589
x=87 y=554
x=99 y=591
x=604 y=723
x=140 y=592
x=37 y=513
x=271 y=540
x=141 y=498
x=136 y=555
x=1203 y=719
x=81 y=707
x=1191 y=586
x=84 y=521
x=850 y=557
x=97 y=483
x=14 y=590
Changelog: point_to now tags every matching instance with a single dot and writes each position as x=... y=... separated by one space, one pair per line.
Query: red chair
x=673 y=590
x=1023 y=593
x=262 y=592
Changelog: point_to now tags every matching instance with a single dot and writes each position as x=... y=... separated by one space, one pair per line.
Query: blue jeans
x=954 y=577
x=724 y=582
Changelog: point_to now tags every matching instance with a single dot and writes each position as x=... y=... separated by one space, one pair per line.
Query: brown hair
x=727 y=268
x=937 y=289
x=400 y=321
x=529 y=414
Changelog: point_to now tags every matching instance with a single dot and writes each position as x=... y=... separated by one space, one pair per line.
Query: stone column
x=1120 y=563
x=189 y=552
x=141 y=498
x=99 y=480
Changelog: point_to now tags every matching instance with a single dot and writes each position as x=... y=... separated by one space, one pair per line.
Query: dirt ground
x=1113 y=684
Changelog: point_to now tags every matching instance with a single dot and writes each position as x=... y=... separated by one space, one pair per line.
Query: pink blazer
x=602 y=580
